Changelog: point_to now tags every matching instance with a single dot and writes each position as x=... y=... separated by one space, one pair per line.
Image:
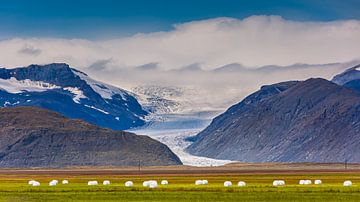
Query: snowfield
x=13 y=85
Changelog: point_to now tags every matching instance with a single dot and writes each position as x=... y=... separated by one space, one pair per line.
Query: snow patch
x=357 y=68
x=100 y=110
x=79 y=94
x=13 y=85
x=104 y=90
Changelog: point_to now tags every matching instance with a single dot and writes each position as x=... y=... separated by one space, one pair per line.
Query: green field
x=181 y=188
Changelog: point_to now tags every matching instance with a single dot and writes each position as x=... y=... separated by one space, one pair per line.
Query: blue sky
x=106 y=19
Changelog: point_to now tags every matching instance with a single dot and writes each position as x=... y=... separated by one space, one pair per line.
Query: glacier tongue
x=173 y=130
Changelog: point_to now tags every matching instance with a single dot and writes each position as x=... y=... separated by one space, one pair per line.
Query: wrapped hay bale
x=278 y=182
x=164 y=182
x=65 y=182
x=153 y=184
x=106 y=182
x=199 y=182
x=92 y=183
x=53 y=183
x=347 y=183
x=36 y=184
x=241 y=184
x=31 y=182
x=205 y=182
x=318 y=182
x=146 y=183
x=305 y=182
x=227 y=184
x=129 y=184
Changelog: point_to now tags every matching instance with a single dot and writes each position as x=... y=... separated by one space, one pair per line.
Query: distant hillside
x=72 y=93
x=309 y=121
x=34 y=137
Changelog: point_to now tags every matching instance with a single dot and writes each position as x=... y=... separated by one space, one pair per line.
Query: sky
x=95 y=19
x=213 y=46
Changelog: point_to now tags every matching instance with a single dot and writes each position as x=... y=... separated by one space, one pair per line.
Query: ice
x=175 y=139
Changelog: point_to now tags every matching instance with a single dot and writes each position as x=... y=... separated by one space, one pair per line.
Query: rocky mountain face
x=349 y=78
x=308 y=121
x=70 y=92
x=35 y=137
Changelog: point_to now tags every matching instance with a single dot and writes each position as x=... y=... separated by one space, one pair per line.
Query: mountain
x=349 y=78
x=35 y=137
x=72 y=93
x=308 y=121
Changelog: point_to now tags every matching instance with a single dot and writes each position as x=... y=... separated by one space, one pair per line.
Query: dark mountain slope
x=314 y=120
x=34 y=137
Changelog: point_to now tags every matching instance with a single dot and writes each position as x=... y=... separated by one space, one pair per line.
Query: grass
x=181 y=188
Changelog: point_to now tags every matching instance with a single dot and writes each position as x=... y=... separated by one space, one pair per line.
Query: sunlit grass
x=181 y=188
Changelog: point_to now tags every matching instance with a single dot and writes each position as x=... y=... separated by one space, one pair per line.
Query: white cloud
x=253 y=41
x=207 y=44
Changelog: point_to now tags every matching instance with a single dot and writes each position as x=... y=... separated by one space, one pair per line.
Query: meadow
x=14 y=187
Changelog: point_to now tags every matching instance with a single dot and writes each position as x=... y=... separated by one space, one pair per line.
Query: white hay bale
x=129 y=184
x=31 y=182
x=347 y=183
x=317 y=182
x=199 y=182
x=241 y=184
x=146 y=183
x=36 y=184
x=153 y=184
x=53 y=183
x=205 y=182
x=150 y=184
x=227 y=184
x=106 y=182
x=305 y=182
x=65 y=182
x=93 y=183
x=164 y=182
x=278 y=182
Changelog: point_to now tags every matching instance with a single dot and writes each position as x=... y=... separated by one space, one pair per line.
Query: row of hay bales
x=35 y=183
x=154 y=184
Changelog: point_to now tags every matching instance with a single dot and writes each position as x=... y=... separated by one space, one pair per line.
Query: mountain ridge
x=35 y=137
x=288 y=126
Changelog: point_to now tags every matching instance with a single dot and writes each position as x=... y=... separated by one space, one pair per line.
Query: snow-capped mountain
x=73 y=93
x=349 y=78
